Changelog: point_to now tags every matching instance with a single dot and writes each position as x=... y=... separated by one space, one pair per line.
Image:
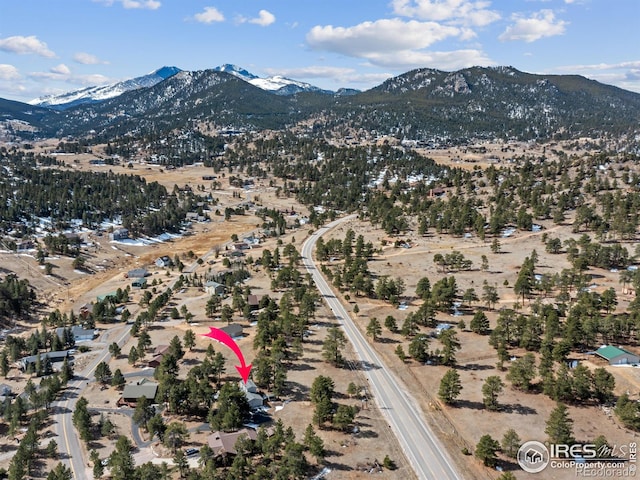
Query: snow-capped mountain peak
x=237 y=71
x=276 y=84
x=104 y=92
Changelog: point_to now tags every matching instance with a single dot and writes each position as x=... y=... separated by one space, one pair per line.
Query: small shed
x=617 y=355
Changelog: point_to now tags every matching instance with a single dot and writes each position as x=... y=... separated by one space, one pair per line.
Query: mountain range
x=276 y=84
x=423 y=104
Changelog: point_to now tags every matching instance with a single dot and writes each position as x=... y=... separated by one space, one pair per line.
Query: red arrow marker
x=224 y=337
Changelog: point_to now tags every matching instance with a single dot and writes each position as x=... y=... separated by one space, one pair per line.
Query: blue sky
x=53 y=46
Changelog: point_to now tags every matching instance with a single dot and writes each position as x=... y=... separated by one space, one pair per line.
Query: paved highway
x=70 y=447
x=423 y=449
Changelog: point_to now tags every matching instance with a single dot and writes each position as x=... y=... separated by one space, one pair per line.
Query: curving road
x=424 y=451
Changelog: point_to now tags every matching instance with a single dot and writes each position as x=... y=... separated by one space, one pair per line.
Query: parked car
x=190 y=451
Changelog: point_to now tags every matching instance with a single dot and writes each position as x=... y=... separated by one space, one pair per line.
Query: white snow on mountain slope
x=239 y=72
x=104 y=92
x=276 y=84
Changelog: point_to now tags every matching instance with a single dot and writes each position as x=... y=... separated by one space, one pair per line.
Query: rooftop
x=610 y=352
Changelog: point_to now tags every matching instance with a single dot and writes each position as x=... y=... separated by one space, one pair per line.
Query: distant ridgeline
x=421 y=105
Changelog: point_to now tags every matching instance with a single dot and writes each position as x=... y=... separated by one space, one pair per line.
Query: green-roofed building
x=105 y=296
x=617 y=355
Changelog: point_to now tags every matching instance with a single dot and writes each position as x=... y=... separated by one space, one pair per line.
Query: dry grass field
x=463 y=424
x=459 y=426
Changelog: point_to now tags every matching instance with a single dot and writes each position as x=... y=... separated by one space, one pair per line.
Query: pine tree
x=479 y=323
x=450 y=344
x=374 y=330
x=560 y=426
x=333 y=346
x=511 y=443
x=450 y=386
x=118 y=379
x=603 y=384
x=189 y=339
x=492 y=387
x=486 y=450
x=522 y=372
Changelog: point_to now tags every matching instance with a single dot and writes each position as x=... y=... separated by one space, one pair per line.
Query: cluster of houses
x=80 y=334
x=222 y=443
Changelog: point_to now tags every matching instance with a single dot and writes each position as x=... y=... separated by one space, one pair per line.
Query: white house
x=164 y=261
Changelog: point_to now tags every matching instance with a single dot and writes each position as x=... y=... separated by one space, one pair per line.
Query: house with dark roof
x=155 y=361
x=80 y=334
x=139 y=283
x=158 y=355
x=224 y=443
x=137 y=273
x=136 y=390
x=53 y=357
x=234 y=330
x=254 y=302
x=617 y=355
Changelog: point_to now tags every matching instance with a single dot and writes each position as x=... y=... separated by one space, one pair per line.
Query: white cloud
x=15 y=88
x=603 y=66
x=90 y=80
x=398 y=44
x=446 y=60
x=382 y=36
x=147 y=4
x=464 y=12
x=8 y=72
x=623 y=74
x=209 y=15
x=87 y=59
x=314 y=71
x=264 y=19
x=133 y=4
x=540 y=25
x=26 y=45
x=62 y=73
x=61 y=69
